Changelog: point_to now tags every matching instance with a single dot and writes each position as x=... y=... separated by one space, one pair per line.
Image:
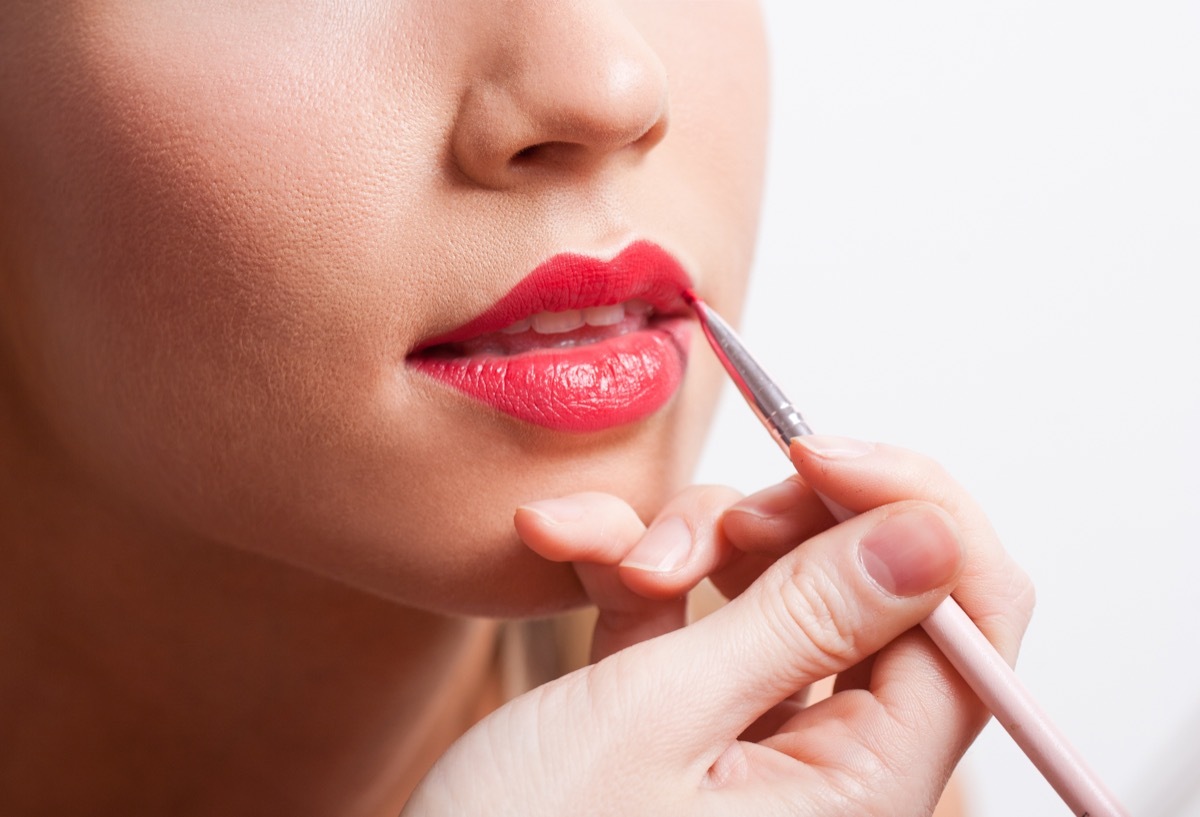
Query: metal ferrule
x=767 y=400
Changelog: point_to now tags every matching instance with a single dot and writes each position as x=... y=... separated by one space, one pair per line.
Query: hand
x=660 y=726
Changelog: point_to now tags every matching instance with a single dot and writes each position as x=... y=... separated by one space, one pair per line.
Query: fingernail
x=773 y=501
x=834 y=448
x=663 y=549
x=911 y=552
x=556 y=511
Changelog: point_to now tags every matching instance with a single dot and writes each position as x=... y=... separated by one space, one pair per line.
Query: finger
x=878 y=734
x=994 y=591
x=914 y=692
x=595 y=531
x=584 y=527
x=818 y=610
x=636 y=576
x=774 y=520
x=682 y=546
x=764 y=526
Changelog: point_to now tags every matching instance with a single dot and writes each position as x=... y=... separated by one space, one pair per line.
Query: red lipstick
x=581 y=344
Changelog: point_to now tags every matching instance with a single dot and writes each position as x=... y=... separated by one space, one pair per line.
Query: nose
x=563 y=87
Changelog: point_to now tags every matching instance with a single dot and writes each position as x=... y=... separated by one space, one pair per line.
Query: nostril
x=566 y=152
x=527 y=155
x=548 y=154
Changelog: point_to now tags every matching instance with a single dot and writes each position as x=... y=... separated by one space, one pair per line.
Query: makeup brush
x=972 y=655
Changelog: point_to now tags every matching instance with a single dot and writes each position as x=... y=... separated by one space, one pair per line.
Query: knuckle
x=940 y=487
x=1023 y=598
x=896 y=755
x=1024 y=595
x=1007 y=610
x=929 y=479
x=816 y=619
x=867 y=758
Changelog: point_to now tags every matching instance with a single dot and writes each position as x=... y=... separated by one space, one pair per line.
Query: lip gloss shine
x=972 y=655
x=581 y=380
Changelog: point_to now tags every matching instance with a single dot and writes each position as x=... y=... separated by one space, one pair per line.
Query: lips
x=580 y=344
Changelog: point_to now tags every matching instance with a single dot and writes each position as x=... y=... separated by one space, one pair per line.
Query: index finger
x=818 y=610
x=860 y=475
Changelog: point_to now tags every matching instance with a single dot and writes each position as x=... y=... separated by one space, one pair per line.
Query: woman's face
x=243 y=248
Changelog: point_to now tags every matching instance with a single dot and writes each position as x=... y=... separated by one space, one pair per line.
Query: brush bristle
x=690 y=297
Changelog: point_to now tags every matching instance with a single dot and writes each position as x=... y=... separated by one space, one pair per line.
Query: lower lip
x=583 y=388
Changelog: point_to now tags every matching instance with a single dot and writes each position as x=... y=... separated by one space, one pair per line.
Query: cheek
x=224 y=275
x=201 y=314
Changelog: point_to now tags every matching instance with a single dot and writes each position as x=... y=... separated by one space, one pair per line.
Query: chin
x=491 y=575
x=421 y=514
x=516 y=585
x=460 y=553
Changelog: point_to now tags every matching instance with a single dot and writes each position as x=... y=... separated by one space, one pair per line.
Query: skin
x=251 y=560
x=709 y=719
x=223 y=351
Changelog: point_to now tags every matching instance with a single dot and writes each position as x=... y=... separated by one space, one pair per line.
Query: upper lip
x=642 y=270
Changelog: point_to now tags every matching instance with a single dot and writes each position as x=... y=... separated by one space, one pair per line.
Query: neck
x=160 y=675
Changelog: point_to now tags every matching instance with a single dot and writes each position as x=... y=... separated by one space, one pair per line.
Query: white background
x=982 y=241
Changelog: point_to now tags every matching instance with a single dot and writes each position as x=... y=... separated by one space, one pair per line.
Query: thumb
x=824 y=607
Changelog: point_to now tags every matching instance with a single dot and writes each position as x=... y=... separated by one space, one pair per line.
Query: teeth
x=554 y=323
x=557 y=323
x=518 y=327
x=604 y=315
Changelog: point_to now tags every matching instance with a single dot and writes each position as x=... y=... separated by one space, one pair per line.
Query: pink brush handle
x=1002 y=692
x=993 y=680
x=954 y=633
